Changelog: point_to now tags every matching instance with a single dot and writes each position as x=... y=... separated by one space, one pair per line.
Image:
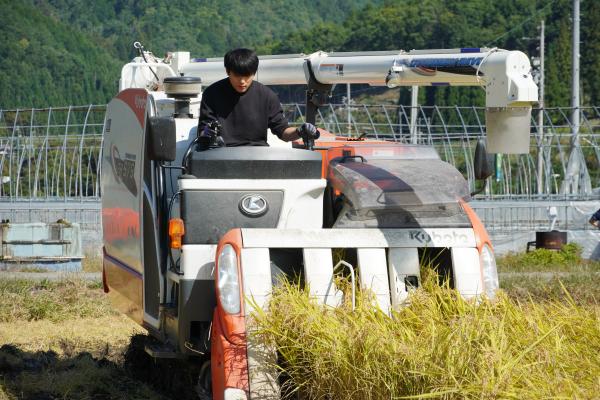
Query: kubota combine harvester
x=191 y=237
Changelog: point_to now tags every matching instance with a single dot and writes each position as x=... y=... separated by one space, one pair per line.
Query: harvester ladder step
x=157 y=350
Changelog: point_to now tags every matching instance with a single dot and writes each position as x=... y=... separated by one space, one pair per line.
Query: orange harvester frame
x=229 y=363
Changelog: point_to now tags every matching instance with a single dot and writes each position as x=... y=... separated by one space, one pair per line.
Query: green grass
x=52 y=300
x=542 y=275
x=439 y=346
x=583 y=288
x=568 y=259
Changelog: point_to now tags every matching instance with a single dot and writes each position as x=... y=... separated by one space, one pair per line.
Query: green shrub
x=567 y=259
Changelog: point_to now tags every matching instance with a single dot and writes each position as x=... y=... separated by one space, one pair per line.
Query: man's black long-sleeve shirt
x=245 y=117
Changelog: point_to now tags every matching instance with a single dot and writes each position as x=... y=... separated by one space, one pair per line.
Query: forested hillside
x=46 y=62
x=59 y=52
x=438 y=24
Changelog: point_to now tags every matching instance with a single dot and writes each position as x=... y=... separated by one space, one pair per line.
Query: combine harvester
x=192 y=237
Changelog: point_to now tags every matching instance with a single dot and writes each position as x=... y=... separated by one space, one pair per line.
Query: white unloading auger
x=504 y=75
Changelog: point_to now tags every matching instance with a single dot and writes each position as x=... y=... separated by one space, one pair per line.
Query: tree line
x=61 y=52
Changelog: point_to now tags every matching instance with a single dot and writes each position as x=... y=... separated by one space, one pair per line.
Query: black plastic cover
x=208 y=215
x=483 y=166
x=249 y=162
x=197 y=302
x=162 y=139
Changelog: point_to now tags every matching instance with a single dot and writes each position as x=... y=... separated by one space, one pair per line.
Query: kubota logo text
x=124 y=169
x=438 y=237
x=140 y=102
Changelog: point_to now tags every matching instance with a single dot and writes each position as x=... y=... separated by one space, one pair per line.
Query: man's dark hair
x=243 y=62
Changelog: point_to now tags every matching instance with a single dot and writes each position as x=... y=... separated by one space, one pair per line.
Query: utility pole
x=414 y=103
x=570 y=184
x=540 y=160
x=348 y=99
x=575 y=78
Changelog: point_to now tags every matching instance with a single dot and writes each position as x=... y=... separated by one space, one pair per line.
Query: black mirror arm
x=172 y=167
x=480 y=189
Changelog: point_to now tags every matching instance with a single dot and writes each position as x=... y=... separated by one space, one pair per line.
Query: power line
x=522 y=23
x=356 y=91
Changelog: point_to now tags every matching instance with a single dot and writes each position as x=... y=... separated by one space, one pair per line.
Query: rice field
x=63 y=340
x=540 y=339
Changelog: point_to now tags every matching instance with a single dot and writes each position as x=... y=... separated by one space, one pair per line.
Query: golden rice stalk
x=438 y=346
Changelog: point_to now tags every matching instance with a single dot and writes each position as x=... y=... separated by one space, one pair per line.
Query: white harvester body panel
x=198 y=261
x=318 y=275
x=360 y=238
x=467 y=278
x=257 y=277
x=124 y=196
x=121 y=200
x=402 y=263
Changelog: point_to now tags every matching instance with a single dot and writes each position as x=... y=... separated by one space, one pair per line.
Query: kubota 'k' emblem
x=253 y=205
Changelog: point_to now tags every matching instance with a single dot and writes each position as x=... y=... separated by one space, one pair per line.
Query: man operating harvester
x=246 y=109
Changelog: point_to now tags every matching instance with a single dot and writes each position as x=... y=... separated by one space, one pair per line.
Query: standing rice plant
x=437 y=346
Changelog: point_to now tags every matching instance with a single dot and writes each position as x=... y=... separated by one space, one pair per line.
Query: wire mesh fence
x=454 y=131
x=54 y=153
x=51 y=153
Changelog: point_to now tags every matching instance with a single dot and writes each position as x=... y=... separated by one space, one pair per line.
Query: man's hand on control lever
x=210 y=136
x=309 y=133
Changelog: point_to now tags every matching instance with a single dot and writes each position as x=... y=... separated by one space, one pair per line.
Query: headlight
x=490 y=273
x=234 y=394
x=228 y=282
